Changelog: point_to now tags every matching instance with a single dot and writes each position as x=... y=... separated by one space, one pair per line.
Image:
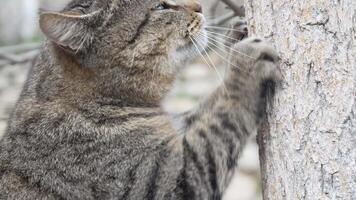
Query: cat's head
x=137 y=34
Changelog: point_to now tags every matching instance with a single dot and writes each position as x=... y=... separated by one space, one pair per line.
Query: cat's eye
x=81 y=8
x=161 y=6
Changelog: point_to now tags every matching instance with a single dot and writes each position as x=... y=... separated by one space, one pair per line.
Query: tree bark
x=308 y=145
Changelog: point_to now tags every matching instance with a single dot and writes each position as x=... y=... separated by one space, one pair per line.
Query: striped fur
x=88 y=124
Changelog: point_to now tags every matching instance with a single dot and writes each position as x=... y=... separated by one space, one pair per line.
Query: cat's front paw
x=238 y=32
x=257 y=58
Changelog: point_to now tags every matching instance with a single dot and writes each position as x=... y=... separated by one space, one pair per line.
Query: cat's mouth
x=196 y=25
x=196 y=35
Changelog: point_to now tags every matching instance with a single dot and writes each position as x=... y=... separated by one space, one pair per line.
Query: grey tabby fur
x=89 y=125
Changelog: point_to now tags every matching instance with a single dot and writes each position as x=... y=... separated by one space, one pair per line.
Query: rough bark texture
x=308 y=146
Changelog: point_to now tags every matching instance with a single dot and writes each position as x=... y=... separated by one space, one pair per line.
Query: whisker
x=227 y=60
x=211 y=61
x=213 y=65
x=221 y=56
x=209 y=65
x=218 y=73
x=211 y=17
x=224 y=29
x=219 y=40
x=222 y=35
x=219 y=47
x=199 y=52
x=231 y=49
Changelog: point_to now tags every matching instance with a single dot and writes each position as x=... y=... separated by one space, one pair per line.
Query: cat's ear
x=69 y=30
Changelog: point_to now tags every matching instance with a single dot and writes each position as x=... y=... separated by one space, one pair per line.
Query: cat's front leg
x=216 y=132
x=252 y=76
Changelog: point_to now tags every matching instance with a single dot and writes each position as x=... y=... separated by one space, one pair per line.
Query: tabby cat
x=89 y=124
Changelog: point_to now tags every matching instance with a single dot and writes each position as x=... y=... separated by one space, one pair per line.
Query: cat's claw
x=238 y=32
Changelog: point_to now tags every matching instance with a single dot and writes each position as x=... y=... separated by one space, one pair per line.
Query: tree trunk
x=308 y=145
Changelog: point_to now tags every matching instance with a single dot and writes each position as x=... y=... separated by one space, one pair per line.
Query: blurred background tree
x=17 y=20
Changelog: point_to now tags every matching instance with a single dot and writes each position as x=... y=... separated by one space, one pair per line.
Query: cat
x=88 y=124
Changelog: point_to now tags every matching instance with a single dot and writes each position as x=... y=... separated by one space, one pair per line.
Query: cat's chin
x=198 y=41
x=192 y=45
x=203 y=38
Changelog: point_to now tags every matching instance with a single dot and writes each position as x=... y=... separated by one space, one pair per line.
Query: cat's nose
x=193 y=5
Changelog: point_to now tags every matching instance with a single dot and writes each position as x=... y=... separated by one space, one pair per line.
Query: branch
x=19 y=48
x=214 y=7
x=18 y=54
x=238 y=10
x=4 y=118
x=11 y=59
x=223 y=19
